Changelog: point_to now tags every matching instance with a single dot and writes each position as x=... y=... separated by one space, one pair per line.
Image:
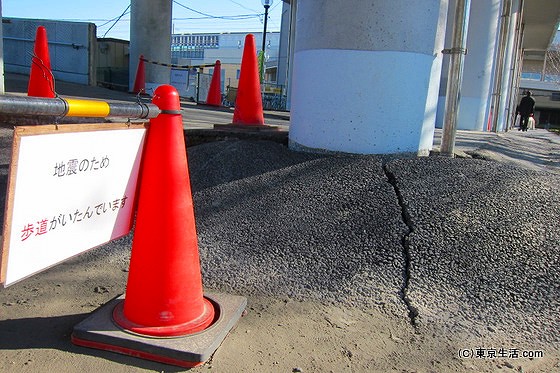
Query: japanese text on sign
x=45 y=225
x=73 y=166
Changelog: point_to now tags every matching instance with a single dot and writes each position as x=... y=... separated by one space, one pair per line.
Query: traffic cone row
x=248 y=104
x=164 y=300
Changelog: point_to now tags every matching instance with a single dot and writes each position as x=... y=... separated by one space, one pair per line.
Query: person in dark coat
x=526 y=109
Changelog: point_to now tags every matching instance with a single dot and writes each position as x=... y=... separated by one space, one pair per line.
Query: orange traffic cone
x=41 y=80
x=164 y=295
x=164 y=315
x=215 y=92
x=140 y=80
x=248 y=104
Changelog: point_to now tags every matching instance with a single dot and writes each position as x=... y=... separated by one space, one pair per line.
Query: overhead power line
x=206 y=15
x=117 y=20
x=243 y=6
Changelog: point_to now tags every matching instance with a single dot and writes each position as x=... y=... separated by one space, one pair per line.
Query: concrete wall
x=72 y=48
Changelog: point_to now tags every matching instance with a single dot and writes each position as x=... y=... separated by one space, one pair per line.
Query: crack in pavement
x=403 y=292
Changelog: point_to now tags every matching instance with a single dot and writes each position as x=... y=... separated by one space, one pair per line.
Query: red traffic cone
x=41 y=80
x=164 y=295
x=215 y=92
x=248 y=104
x=140 y=80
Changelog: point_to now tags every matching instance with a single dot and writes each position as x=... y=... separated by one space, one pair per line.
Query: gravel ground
x=298 y=232
x=469 y=244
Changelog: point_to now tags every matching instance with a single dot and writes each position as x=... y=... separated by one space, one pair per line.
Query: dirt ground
x=275 y=335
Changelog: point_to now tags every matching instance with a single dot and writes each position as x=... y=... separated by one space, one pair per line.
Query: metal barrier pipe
x=75 y=108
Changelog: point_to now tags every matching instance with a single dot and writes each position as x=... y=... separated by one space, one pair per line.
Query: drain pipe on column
x=457 y=54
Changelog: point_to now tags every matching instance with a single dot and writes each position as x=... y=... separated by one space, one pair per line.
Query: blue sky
x=203 y=15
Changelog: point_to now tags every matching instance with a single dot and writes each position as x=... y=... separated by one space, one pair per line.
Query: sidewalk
x=535 y=149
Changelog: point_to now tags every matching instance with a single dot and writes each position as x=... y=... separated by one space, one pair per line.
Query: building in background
x=113 y=63
x=205 y=48
x=78 y=57
x=542 y=77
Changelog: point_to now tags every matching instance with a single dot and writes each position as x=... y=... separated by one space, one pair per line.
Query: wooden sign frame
x=70 y=188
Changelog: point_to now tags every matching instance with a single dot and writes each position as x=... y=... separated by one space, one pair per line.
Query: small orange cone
x=164 y=295
x=41 y=80
x=215 y=92
x=248 y=104
x=140 y=80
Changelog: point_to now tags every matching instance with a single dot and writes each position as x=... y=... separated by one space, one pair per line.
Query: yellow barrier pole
x=21 y=105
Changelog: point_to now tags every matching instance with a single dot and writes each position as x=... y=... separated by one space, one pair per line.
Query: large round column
x=505 y=112
x=479 y=62
x=150 y=35
x=366 y=75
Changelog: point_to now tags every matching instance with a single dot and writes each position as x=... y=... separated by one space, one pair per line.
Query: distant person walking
x=526 y=109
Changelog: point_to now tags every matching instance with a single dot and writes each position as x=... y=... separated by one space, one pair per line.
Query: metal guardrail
x=75 y=108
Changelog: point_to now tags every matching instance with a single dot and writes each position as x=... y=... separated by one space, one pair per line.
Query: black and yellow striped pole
x=21 y=105
x=177 y=66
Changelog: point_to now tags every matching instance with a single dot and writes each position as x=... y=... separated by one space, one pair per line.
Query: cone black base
x=246 y=127
x=100 y=332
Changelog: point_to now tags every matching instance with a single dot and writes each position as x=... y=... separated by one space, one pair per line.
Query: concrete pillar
x=282 y=71
x=479 y=63
x=366 y=75
x=505 y=111
x=291 y=52
x=150 y=35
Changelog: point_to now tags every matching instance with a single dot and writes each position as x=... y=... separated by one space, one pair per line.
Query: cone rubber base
x=193 y=326
x=246 y=127
x=99 y=331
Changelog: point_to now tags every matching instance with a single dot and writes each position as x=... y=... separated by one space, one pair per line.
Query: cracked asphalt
x=483 y=246
x=468 y=244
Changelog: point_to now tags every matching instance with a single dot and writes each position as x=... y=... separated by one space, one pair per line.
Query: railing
x=75 y=108
x=273 y=96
